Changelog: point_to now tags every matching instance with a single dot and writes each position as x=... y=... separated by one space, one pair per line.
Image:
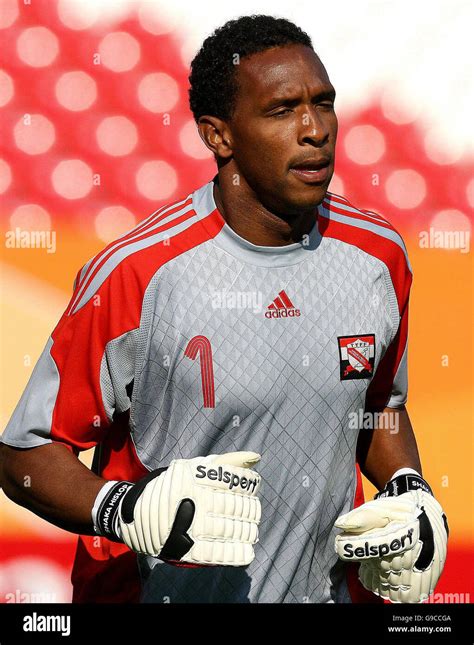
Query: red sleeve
x=80 y=380
x=374 y=235
x=389 y=386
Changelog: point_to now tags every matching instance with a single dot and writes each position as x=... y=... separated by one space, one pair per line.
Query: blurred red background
x=97 y=134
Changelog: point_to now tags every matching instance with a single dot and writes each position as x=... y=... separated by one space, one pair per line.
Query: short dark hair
x=213 y=70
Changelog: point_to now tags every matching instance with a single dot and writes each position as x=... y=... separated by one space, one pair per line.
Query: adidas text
x=282 y=313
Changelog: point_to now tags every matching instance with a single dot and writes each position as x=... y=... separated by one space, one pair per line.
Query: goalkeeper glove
x=400 y=539
x=201 y=511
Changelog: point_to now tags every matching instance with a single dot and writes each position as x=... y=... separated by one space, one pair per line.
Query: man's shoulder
x=130 y=261
x=356 y=216
x=366 y=229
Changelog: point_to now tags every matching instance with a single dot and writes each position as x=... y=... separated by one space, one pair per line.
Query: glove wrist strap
x=403 y=471
x=404 y=484
x=106 y=508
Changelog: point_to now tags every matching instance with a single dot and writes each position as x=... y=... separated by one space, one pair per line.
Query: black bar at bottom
x=448 y=623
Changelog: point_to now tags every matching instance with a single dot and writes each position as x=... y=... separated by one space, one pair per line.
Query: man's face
x=284 y=128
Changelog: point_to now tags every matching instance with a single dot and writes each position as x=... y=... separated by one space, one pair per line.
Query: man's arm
x=63 y=491
x=51 y=481
x=77 y=388
x=387 y=448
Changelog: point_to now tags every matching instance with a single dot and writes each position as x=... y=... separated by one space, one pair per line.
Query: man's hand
x=201 y=511
x=400 y=539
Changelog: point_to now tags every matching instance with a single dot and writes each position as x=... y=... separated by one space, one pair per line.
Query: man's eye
x=282 y=112
x=327 y=104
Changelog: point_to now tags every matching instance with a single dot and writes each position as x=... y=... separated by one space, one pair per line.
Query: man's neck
x=252 y=221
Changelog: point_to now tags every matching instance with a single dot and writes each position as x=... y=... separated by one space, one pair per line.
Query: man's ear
x=216 y=136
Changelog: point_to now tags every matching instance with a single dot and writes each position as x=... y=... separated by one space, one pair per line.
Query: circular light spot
x=156 y=179
x=450 y=229
x=30 y=217
x=157 y=19
x=442 y=150
x=470 y=192
x=8 y=13
x=37 y=46
x=36 y=579
x=72 y=179
x=6 y=88
x=337 y=185
x=364 y=144
x=158 y=92
x=5 y=176
x=117 y=135
x=451 y=219
x=78 y=15
x=34 y=134
x=119 y=51
x=405 y=188
x=76 y=91
x=396 y=111
x=191 y=143
x=112 y=222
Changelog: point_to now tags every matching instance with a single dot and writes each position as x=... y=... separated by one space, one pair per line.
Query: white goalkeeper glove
x=201 y=511
x=400 y=539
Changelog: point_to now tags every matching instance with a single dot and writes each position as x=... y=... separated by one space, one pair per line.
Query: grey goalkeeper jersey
x=213 y=344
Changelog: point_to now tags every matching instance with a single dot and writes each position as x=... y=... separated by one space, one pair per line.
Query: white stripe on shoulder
x=356 y=211
x=116 y=255
x=138 y=229
x=141 y=226
x=383 y=231
x=84 y=271
x=94 y=263
x=328 y=192
x=376 y=216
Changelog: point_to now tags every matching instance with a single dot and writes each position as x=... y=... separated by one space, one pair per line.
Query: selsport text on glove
x=400 y=539
x=201 y=511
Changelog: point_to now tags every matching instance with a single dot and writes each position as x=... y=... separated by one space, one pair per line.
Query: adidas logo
x=282 y=307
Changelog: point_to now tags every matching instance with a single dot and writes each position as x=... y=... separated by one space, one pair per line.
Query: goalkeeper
x=225 y=449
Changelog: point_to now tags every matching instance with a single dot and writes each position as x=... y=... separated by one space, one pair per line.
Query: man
x=255 y=318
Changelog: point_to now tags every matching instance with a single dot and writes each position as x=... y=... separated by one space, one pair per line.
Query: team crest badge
x=356 y=356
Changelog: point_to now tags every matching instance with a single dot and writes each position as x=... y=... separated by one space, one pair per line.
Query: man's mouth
x=313 y=172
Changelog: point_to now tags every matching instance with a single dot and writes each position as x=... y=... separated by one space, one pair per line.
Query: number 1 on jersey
x=202 y=346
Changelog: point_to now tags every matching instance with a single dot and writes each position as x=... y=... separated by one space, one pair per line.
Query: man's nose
x=312 y=128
